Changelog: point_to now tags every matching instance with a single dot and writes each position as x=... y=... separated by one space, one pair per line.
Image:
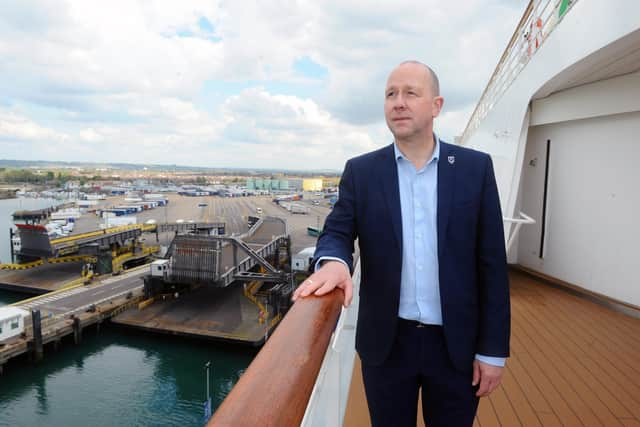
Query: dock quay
x=226 y=300
x=68 y=312
x=206 y=313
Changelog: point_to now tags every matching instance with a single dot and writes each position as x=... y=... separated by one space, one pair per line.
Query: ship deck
x=573 y=362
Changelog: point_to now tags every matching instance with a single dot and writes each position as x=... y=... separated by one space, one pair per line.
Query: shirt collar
x=434 y=156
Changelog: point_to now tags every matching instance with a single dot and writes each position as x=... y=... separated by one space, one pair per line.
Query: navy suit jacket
x=474 y=286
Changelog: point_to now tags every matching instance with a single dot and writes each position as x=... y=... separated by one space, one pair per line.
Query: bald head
x=411 y=102
x=431 y=76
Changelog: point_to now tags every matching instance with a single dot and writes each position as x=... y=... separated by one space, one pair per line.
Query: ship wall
x=586 y=29
x=591 y=229
x=591 y=223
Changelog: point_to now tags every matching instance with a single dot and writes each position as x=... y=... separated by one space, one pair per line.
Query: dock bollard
x=38 y=350
x=77 y=330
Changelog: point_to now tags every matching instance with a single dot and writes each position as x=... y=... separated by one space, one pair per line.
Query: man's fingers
x=333 y=274
x=310 y=286
x=476 y=373
x=348 y=292
x=306 y=288
x=485 y=387
x=327 y=287
x=488 y=375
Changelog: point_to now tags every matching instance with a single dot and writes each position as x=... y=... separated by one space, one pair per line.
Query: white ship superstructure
x=560 y=118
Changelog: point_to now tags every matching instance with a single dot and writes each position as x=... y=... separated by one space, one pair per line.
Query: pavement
x=79 y=298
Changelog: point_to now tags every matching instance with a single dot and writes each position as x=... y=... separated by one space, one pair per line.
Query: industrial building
x=268 y=184
x=312 y=184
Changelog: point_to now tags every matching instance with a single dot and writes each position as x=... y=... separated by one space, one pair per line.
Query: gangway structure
x=235 y=288
x=221 y=260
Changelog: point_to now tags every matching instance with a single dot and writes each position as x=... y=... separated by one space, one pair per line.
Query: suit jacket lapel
x=446 y=188
x=389 y=175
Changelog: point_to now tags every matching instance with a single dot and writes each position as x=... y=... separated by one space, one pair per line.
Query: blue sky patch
x=215 y=92
x=308 y=68
x=205 y=25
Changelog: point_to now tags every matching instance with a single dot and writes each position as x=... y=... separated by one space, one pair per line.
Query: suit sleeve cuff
x=495 y=361
x=328 y=258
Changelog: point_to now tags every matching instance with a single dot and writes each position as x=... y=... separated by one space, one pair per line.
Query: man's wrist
x=323 y=259
x=492 y=360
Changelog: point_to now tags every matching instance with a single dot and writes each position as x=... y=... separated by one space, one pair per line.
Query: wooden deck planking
x=573 y=362
x=564 y=389
x=553 y=396
x=568 y=364
x=606 y=359
x=519 y=400
x=532 y=391
x=601 y=360
x=600 y=325
x=486 y=414
x=551 y=420
x=599 y=330
x=595 y=376
x=504 y=410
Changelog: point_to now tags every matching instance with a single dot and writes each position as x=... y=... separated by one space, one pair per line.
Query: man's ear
x=438 y=102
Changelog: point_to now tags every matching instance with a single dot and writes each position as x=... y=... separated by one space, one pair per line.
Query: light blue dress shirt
x=420 y=283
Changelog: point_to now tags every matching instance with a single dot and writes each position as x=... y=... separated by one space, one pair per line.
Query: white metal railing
x=519 y=222
x=330 y=393
x=538 y=21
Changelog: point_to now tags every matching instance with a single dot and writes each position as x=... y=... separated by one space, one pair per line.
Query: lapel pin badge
x=452 y=159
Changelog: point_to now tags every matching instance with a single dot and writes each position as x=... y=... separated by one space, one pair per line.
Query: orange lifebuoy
x=534 y=36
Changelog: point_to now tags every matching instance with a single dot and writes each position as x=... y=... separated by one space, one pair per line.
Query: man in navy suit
x=434 y=297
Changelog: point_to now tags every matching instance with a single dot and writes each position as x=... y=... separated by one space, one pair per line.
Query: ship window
x=14 y=325
x=0 y=330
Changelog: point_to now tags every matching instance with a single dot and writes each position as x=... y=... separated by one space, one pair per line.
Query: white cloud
x=17 y=128
x=126 y=78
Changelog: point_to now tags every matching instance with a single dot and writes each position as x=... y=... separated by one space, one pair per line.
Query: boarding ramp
x=212 y=228
x=35 y=240
x=221 y=260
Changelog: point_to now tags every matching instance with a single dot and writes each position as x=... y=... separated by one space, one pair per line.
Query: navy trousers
x=419 y=359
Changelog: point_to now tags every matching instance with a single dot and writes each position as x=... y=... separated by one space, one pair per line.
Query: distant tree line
x=11 y=176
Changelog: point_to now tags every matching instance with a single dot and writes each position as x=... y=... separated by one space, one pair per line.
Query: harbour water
x=116 y=376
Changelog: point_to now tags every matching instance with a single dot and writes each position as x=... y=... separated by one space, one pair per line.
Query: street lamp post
x=207 y=367
x=207 y=403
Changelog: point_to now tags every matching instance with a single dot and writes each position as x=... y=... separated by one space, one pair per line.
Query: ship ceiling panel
x=616 y=59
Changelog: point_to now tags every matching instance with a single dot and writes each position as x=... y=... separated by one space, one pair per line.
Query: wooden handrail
x=275 y=389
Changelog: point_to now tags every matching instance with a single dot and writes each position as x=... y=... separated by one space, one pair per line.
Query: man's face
x=409 y=105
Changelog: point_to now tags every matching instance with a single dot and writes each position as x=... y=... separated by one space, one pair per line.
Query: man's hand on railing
x=332 y=274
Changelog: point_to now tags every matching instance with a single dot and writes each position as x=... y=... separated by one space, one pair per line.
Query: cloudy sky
x=268 y=83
